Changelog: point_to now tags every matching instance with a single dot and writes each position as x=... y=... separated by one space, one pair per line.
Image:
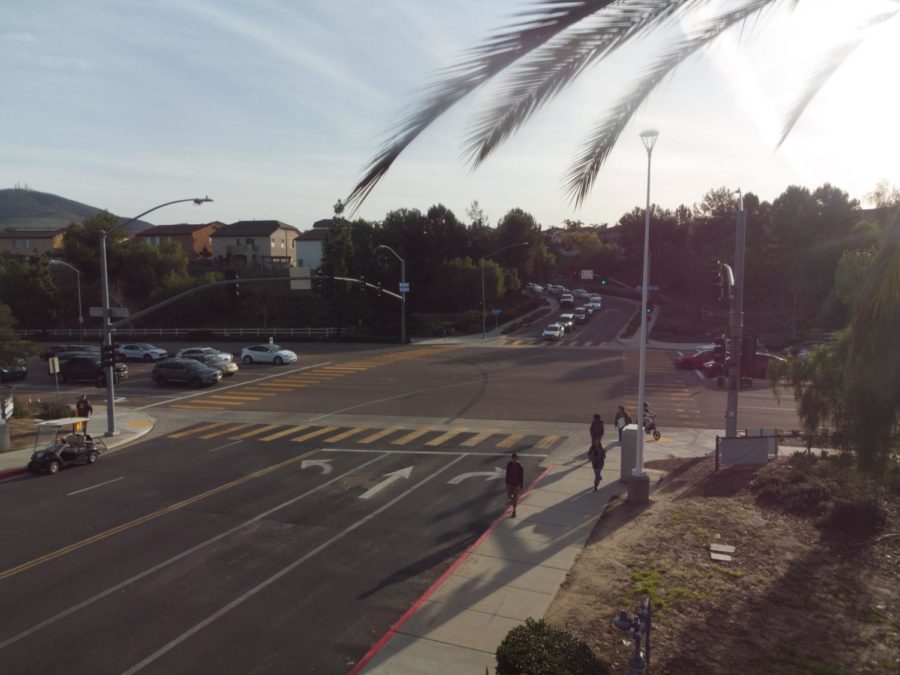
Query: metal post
x=737 y=320
x=80 y=312
x=483 y=329
x=107 y=340
x=403 y=302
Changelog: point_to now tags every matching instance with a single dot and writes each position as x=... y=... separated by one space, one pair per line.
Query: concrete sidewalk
x=514 y=570
x=130 y=425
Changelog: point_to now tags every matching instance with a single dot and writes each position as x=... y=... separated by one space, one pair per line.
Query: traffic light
x=234 y=290
x=574 y=273
x=717 y=277
x=108 y=355
x=603 y=281
x=362 y=284
x=649 y=309
x=720 y=350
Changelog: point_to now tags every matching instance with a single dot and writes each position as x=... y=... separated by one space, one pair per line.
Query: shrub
x=858 y=518
x=537 y=648
x=23 y=409
x=52 y=410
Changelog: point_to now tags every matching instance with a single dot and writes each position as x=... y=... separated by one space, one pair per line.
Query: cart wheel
x=656 y=435
x=53 y=467
x=92 y=457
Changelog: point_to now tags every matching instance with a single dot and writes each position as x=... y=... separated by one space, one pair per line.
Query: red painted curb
x=9 y=473
x=408 y=614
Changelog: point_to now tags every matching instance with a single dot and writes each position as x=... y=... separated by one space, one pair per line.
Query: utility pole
x=737 y=319
x=107 y=342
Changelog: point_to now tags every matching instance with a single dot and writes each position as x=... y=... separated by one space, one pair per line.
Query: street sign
x=587 y=275
x=300 y=284
x=496 y=312
x=53 y=362
x=404 y=287
x=9 y=407
x=114 y=312
x=96 y=311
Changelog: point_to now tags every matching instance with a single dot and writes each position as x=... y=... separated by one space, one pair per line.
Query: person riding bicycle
x=649 y=418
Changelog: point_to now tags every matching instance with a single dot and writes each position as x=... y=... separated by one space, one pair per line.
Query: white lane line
x=95 y=486
x=175 y=558
x=232 y=386
x=431 y=452
x=699 y=375
x=227 y=445
x=282 y=572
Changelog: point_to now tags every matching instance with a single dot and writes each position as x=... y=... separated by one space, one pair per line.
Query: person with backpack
x=597 y=453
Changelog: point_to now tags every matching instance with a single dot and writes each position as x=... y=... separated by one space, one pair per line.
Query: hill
x=25 y=209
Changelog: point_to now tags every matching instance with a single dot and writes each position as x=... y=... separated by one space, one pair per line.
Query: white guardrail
x=181 y=332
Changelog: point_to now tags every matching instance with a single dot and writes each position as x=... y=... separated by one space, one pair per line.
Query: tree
x=12 y=347
x=551 y=43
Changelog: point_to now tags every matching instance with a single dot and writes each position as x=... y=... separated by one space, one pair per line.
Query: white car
x=191 y=352
x=596 y=302
x=553 y=332
x=267 y=354
x=142 y=352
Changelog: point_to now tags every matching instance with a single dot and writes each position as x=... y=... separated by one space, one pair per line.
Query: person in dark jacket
x=515 y=481
x=83 y=408
x=623 y=419
x=597 y=453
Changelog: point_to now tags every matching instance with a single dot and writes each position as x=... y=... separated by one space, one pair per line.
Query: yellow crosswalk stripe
x=443 y=438
x=546 y=442
x=380 y=434
x=403 y=440
x=254 y=432
x=313 y=434
x=235 y=397
x=346 y=434
x=196 y=430
x=478 y=438
x=509 y=441
x=222 y=432
x=285 y=432
x=275 y=385
x=195 y=406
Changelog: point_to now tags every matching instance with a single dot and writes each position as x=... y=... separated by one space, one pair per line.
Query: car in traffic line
x=694 y=360
x=596 y=302
x=89 y=368
x=189 y=352
x=267 y=354
x=553 y=332
x=567 y=321
x=142 y=352
x=184 y=371
x=758 y=370
x=566 y=301
x=228 y=368
x=580 y=314
x=77 y=347
x=14 y=372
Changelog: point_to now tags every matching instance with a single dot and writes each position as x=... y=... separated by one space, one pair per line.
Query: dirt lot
x=21 y=433
x=789 y=602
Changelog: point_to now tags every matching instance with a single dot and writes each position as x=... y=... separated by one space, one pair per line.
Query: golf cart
x=62 y=442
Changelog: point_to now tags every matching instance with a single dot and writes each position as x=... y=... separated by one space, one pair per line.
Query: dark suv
x=184 y=371
x=87 y=368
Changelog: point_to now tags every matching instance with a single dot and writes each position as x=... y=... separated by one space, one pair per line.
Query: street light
x=107 y=335
x=54 y=261
x=639 y=485
x=402 y=291
x=483 y=302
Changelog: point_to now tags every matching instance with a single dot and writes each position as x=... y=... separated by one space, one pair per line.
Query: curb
x=9 y=473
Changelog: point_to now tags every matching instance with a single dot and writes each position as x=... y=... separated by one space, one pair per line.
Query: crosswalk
x=251 y=392
x=665 y=390
x=390 y=437
x=556 y=344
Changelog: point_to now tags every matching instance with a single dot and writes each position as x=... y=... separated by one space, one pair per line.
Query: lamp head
x=648 y=138
x=200 y=200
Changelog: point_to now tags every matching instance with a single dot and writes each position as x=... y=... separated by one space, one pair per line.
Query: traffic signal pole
x=737 y=321
x=110 y=368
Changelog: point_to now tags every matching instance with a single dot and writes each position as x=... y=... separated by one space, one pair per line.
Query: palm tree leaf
x=583 y=172
x=545 y=20
x=543 y=75
x=833 y=61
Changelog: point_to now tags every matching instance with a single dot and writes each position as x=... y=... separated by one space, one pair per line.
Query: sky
x=273 y=109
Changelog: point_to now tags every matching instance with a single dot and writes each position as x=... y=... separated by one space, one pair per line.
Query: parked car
x=759 y=368
x=596 y=302
x=695 y=360
x=553 y=332
x=184 y=371
x=89 y=368
x=75 y=348
x=567 y=321
x=189 y=352
x=267 y=354
x=14 y=372
x=536 y=288
x=215 y=361
x=580 y=315
x=142 y=352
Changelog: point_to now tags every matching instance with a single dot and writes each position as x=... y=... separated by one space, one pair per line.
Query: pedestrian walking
x=623 y=419
x=597 y=453
x=515 y=481
x=83 y=408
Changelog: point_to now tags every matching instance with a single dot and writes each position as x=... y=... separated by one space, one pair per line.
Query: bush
x=52 y=410
x=22 y=409
x=537 y=648
x=857 y=518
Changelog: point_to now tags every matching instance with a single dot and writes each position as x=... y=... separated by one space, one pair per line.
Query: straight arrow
x=324 y=464
x=389 y=478
x=490 y=475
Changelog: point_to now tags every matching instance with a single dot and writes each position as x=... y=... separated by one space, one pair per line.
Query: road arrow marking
x=491 y=475
x=324 y=464
x=390 y=478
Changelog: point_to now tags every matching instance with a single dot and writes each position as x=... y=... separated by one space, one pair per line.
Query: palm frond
x=583 y=172
x=536 y=26
x=556 y=64
x=833 y=61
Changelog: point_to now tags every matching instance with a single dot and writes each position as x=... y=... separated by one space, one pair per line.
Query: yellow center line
x=100 y=536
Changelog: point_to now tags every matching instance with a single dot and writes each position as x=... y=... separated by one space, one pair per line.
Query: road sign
x=496 y=312
x=9 y=407
x=298 y=284
x=95 y=311
x=404 y=287
x=53 y=362
x=587 y=275
x=114 y=312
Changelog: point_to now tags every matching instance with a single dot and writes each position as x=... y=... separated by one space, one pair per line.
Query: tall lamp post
x=639 y=485
x=483 y=302
x=54 y=261
x=107 y=335
x=402 y=290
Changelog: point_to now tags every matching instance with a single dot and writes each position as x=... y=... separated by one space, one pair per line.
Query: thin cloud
x=19 y=37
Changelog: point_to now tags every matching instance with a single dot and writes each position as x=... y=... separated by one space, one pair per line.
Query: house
x=255 y=243
x=310 y=244
x=31 y=242
x=195 y=240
